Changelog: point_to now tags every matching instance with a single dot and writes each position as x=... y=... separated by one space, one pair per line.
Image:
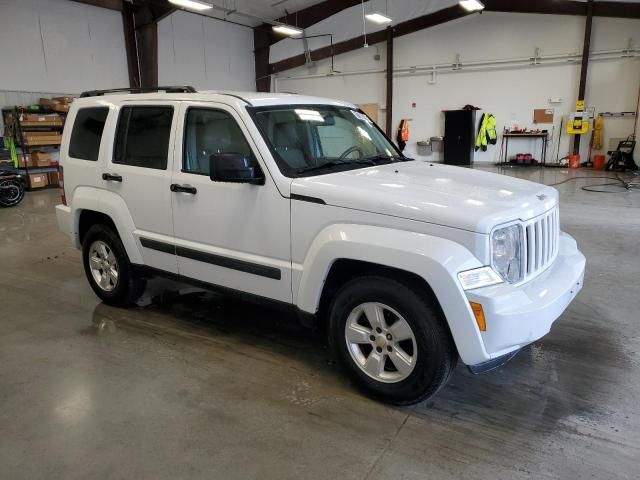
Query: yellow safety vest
x=486 y=132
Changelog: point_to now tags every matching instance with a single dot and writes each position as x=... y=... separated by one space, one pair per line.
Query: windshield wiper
x=388 y=158
x=334 y=163
x=373 y=160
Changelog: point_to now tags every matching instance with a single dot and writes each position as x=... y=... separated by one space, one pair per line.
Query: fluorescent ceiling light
x=287 y=30
x=471 y=5
x=377 y=17
x=192 y=4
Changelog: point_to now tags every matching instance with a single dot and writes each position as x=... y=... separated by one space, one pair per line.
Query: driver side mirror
x=235 y=168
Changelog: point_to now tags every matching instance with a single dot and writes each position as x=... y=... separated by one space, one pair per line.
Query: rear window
x=87 y=133
x=142 y=138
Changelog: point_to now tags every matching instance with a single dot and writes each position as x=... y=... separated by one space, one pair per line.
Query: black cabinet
x=459 y=136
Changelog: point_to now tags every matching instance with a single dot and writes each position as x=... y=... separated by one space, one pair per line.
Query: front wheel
x=108 y=269
x=391 y=340
x=11 y=192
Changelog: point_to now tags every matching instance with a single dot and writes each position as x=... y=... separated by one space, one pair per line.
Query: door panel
x=139 y=171
x=235 y=235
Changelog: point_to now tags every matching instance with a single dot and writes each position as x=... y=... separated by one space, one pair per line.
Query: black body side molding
x=213 y=259
x=305 y=198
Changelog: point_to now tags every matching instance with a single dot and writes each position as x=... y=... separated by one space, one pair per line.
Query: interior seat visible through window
x=210 y=132
x=288 y=144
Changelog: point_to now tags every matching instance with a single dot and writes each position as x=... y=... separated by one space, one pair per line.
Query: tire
x=427 y=342
x=12 y=193
x=121 y=289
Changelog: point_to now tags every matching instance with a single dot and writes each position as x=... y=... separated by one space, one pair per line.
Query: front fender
x=435 y=259
x=112 y=205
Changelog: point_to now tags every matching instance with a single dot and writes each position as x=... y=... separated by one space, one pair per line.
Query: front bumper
x=517 y=316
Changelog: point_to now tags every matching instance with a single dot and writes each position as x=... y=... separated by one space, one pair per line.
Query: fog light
x=479 y=314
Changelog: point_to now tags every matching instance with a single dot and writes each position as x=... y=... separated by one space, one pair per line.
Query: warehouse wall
x=206 y=53
x=60 y=46
x=510 y=94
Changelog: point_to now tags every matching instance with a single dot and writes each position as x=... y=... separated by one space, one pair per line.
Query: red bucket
x=574 y=161
x=598 y=162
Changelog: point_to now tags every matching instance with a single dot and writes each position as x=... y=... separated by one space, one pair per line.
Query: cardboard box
x=60 y=107
x=41 y=159
x=42 y=138
x=29 y=160
x=47 y=102
x=54 y=178
x=63 y=99
x=40 y=120
x=37 y=180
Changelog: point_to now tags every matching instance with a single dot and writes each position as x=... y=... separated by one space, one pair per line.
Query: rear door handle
x=112 y=177
x=183 y=188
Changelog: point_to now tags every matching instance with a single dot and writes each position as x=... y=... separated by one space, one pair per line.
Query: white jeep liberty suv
x=304 y=201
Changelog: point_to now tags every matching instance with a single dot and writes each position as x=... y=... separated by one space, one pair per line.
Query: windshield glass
x=318 y=139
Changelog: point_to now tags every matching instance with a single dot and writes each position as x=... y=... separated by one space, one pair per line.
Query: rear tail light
x=63 y=196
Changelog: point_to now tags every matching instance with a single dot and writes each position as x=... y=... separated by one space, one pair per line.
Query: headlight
x=506 y=253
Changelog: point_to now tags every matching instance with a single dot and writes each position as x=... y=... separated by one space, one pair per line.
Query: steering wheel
x=350 y=150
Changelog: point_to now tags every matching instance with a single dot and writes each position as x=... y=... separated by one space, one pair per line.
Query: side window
x=208 y=132
x=87 y=133
x=142 y=137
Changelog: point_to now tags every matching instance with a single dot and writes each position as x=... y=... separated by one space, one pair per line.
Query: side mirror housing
x=235 y=168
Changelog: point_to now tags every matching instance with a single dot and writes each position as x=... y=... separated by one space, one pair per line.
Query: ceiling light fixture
x=471 y=5
x=287 y=30
x=377 y=17
x=192 y=4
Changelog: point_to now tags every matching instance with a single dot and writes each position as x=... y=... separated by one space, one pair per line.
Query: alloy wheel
x=103 y=265
x=381 y=342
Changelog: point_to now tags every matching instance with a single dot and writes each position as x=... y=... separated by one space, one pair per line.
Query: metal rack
x=17 y=128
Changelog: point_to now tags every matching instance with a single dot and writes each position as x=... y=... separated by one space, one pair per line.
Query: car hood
x=456 y=197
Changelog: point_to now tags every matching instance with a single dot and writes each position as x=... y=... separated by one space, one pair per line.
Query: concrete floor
x=198 y=386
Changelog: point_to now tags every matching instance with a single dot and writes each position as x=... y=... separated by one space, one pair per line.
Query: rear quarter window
x=87 y=133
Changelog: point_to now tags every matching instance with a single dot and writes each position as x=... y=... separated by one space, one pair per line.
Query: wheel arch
x=426 y=263
x=91 y=206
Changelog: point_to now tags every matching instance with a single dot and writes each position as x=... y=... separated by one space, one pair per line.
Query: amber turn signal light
x=479 y=314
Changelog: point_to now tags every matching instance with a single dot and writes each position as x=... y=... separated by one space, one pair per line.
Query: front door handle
x=183 y=188
x=112 y=177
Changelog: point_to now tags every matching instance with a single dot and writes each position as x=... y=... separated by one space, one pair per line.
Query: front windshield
x=318 y=139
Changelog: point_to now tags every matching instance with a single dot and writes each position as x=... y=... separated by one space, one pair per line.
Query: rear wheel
x=391 y=340
x=108 y=269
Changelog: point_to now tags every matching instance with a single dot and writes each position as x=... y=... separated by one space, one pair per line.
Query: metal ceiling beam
x=616 y=9
x=605 y=9
x=600 y=9
x=110 y=4
x=403 y=28
x=309 y=16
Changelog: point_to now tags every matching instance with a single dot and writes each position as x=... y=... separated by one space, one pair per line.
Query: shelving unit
x=19 y=129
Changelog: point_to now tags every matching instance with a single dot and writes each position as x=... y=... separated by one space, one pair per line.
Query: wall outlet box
x=555 y=100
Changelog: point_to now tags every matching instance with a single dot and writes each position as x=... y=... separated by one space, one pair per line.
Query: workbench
x=504 y=145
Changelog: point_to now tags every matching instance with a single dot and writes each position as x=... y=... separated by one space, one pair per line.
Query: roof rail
x=170 y=89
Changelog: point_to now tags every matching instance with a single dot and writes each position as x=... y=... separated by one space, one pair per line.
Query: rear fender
x=112 y=205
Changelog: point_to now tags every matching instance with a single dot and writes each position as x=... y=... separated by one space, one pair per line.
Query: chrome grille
x=541 y=238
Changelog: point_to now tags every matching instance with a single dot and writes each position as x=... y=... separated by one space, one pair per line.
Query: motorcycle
x=11 y=189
